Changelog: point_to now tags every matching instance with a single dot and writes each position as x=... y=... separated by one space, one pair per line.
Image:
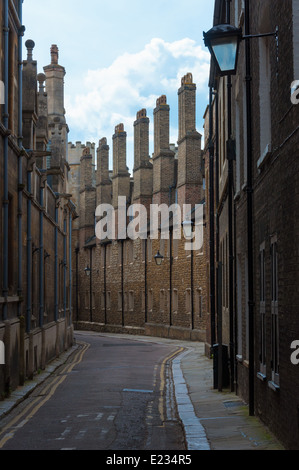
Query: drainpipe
x=90 y=285
x=249 y=212
x=218 y=261
x=212 y=224
x=122 y=285
x=5 y=157
x=20 y=144
x=29 y=255
x=145 y=280
x=170 y=274
x=41 y=260
x=230 y=157
x=64 y=267
x=192 y=293
x=105 y=281
x=70 y=268
x=56 y=265
x=77 y=285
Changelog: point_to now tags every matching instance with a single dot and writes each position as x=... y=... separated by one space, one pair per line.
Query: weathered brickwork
x=129 y=291
x=35 y=221
x=274 y=145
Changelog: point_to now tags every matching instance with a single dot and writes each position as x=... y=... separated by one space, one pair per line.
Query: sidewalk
x=214 y=420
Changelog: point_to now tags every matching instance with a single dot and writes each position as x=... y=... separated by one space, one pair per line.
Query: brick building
x=36 y=213
x=256 y=232
x=125 y=291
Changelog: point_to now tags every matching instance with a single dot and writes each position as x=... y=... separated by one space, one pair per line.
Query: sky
x=120 y=56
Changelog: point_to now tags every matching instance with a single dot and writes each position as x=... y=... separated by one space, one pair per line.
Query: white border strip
x=195 y=434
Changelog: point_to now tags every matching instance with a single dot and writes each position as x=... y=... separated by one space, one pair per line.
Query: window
x=131 y=301
x=87 y=299
x=188 y=300
x=162 y=300
x=265 y=100
x=274 y=314
x=198 y=302
x=108 y=300
x=262 y=312
x=175 y=300
x=120 y=301
x=150 y=299
x=239 y=281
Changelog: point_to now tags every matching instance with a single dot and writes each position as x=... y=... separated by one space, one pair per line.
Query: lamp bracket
x=262 y=35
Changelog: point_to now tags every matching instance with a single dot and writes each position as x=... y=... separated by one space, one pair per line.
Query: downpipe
x=20 y=145
x=5 y=162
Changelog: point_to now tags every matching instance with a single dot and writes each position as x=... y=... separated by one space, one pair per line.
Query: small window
x=175 y=300
x=262 y=310
x=188 y=300
x=274 y=313
x=131 y=301
x=162 y=300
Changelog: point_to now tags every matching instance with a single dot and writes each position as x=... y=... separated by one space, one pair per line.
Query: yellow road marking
x=162 y=383
x=53 y=386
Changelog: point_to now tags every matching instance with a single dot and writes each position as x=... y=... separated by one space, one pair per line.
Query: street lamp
x=159 y=259
x=87 y=271
x=223 y=42
x=188 y=229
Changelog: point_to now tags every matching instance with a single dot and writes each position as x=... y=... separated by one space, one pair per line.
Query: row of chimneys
x=156 y=178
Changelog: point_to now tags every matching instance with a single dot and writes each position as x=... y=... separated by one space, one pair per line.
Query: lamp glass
x=225 y=51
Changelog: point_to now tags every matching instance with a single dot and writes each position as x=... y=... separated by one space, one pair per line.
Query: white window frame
x=262 y=263
x=274 y=316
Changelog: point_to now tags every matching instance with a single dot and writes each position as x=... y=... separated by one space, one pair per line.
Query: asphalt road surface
x=114 y=393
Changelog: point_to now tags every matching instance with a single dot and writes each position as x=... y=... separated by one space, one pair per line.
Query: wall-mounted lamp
x=223 y=42
x=87 y=271
x=159 y=259
x=188 y=229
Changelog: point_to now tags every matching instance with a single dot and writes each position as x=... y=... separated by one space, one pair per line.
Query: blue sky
x=120 y=56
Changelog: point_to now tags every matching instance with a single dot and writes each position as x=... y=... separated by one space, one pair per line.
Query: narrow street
x=113 y=393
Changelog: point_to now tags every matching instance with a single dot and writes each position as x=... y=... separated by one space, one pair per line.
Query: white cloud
x=133 y=81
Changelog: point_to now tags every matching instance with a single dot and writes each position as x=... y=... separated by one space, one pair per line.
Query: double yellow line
x=163 y=383
x=30 y=410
